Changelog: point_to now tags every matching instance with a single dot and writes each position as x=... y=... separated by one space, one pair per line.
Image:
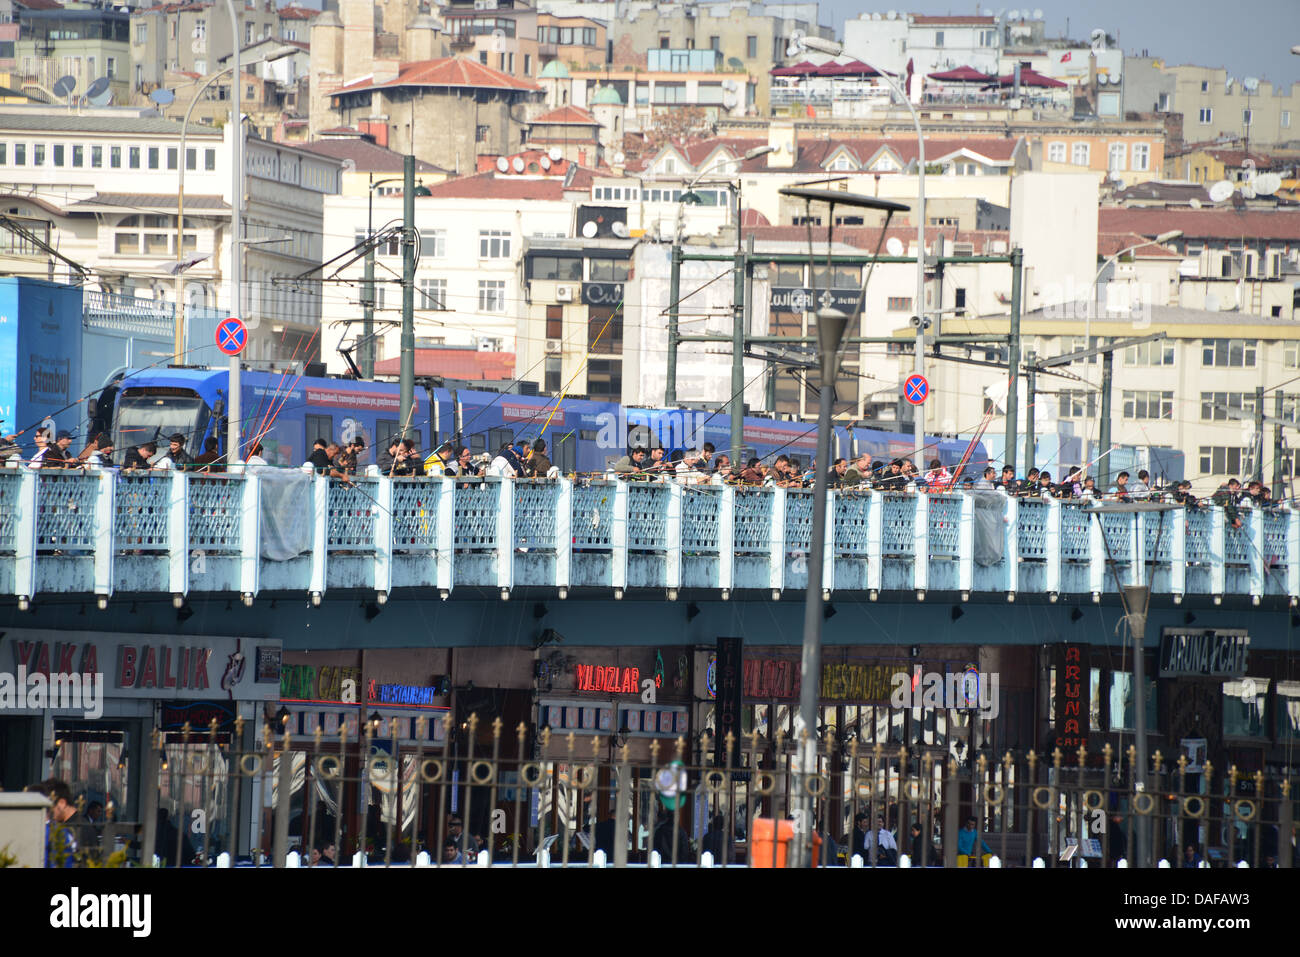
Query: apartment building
x=87 y=43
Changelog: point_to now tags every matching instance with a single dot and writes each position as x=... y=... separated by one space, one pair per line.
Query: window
x=1080 y=154
x=552 y=375
x=111 y=70
x=482 y=133
x=554 y=322
x=492 y=295
x=392 y=246
x=433 y=243
x=38 y=154
x=555 y=268
x=78 y=155
x=1223 y=460
x=1215 y=405
x=153 y=157
x=1162 y=103
x=959 y=302
x=433 y=294
x=751 y=47
x=1056 y=152
x=938 y=38
x=1206 y=116
x=1141 y=156
x=172 y=156
x=209 y=160
x=605 y=377
x=1285 y=119
x=1150 y=354
x=115 y=157
x=20 y=154
x=96 y=157
x=191 y=159
x=1075 y=403
x=1244 y=712
x=608 y=270
x=1205 y=86
x=605 y=330
x=142 y=33
x=493 y=244
x=1116 y=157
x=58 y=154
x=133 y=157
x=1228 y=353
x=715 y=44
x=1148 y=405
x=528 y=64
x=248 y=32
x=899 y=304
x=1122 y=713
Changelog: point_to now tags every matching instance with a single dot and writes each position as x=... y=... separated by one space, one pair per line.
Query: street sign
x=232 y=336
x=916 y=389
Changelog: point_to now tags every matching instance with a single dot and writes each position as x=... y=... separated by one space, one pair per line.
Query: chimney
x=784 y=140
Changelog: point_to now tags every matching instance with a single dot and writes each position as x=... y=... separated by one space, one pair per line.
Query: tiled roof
x=869 y=238
x=39 y=4
x=813 y=153
x=1230 y=157
x=368 y=157
x=455 y=364
x=292 y=12
x=953 y=21
x=491 y=186
x=147 y=201
x=567 y=116
x=447 y=72
x=1110 y=244
x=583 y=179
x=36 y=119
x=1203 y=223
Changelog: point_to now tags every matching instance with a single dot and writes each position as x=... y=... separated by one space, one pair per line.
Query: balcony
x=95 y=533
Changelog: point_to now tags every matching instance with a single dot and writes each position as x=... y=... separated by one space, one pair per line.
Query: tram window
x=385 y=429
x=564 y=455
x=318 y=427
x=477 y=443
x=499 y=437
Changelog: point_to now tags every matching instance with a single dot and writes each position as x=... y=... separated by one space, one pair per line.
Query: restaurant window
x=555 y=268
x=1244 y=701
x=554 y=322
x=609 y=270
x=605 y=330
x=1122 y=713
x=605 y=377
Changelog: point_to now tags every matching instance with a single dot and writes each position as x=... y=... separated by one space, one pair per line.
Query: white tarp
x=287 y=508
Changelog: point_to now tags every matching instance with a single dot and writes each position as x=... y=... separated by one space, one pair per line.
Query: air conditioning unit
x=552 y=346
x=564 y=294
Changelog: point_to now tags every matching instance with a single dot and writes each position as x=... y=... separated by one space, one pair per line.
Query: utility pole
x=234 y=455
x=1137 y=598
x=1013 y=359
x=674 y=294
x=406 y=385
x=737 y=409
x=1103 y=445
x=368 y=290
x=1031 y=397
x=1259 y=433
x=1277 y=448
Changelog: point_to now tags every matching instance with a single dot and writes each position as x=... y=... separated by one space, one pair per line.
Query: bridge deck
x=100 y=532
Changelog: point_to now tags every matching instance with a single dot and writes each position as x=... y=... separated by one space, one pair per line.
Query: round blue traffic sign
x=916 y=389
x=232 y=336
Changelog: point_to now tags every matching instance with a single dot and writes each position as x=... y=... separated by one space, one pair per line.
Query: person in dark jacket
x=1229 y=497
x=320 y=456
x=538 y=462
x=211 y=459
x=138 y=457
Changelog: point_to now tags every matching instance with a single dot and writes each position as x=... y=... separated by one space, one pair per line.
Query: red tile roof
x=567 y=116
x=1111 y=244
x=292 y=12
x=366 y=156
x=491 y=186
x=455 y=364
x=453 y=72
x=1203 y=223
x=1230 y=157
x=40 y=4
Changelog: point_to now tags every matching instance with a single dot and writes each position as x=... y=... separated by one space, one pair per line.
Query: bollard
x=422 y=859
x=1083 y=863
x=904 y=861
x=1121 y=863
x=358 y=859
x=1163 y=863
x=1038 y=862
x=292 y=859
x=857 y=861
x=706 y=859
x=543 y=858
x=482 y=860
x=1242 y=865
x=598 y=859
x=655 y=860
x=995 y=861
x=223 y=859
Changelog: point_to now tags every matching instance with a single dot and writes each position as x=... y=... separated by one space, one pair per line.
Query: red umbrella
x=802 y=68
x=963 y=74
x=852 y=68
x=1030 y=77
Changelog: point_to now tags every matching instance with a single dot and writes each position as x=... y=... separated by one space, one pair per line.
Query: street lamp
x=367 y=340
x=831 y=324
x=1108 y=360
x=832 y=48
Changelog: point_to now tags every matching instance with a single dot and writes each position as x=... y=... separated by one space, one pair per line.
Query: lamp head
x=1171 y=235
x=819 y=45
x=758 y=151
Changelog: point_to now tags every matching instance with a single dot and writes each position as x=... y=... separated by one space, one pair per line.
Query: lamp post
x=368 y=283
x=675 y=280
x=833 y=48
x=831 y=324
x=1108 y=361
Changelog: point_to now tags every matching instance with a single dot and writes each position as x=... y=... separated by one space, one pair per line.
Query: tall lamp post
x=831 y=324
x=832 y=48
x=1108 y=359
x=675 y=283
x=368 y=283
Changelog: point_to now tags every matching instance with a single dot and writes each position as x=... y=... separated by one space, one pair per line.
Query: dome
x=607 y=96
x=555 y=70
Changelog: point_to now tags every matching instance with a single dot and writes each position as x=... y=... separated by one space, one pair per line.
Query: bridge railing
x=95 y=532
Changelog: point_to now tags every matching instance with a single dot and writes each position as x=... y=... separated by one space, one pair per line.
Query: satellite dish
x=1194 y=203
x=729 y=100
x=162 y=97
x=729 y=85
x=1220 y=191
x=1248 y=190
x=619 y=229
x=1266 y=184
x=1251 y=83
x=1038 y=14
x=518 y=164
x=64 y=85
x=894 y=246
x=556 y=154
x=619 y=159
x=503 y=164
x=98 y=93
x=544 y=162
x=589 y=229
x=735 y=63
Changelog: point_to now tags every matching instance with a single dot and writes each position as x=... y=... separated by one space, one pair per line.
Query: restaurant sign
x=1203 y=652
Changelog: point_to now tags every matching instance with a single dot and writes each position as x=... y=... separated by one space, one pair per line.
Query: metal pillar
x=674 y=294
x=234 y=454
x=1259 y=433
x=1031 y=398
x=1136 y=598
x=368 y=290
x=1013 y=359
x=1103 y=444
x=737 y=407
x=406 y=379
x=1277 y=448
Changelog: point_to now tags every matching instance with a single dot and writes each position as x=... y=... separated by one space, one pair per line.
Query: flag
x=907 y=83
x=1066 y=57
x=811 y=111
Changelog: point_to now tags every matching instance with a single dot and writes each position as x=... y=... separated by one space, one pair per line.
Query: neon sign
x=611 y=679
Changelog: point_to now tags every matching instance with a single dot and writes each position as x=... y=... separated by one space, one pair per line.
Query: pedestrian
x=388 y=458
x=140 y=456
x=506 y=464
x=539 y=464
x=61 y=823
x=859 y=473
x=752 y=473
x=10 y=449
x=42 y=440
x=1143 y=484
x=1008 y=482
x=319 y=460
x=441 y=462
x=937 y=475
x=835 y=477
x=921 y=855
x=255 y=455
x=1191 y=856
x=175 y=457
x=885 y=845
x=102 y=456
x=631 y=463
x=1228 y=497
x=1120 y=490
x=56 y=455
x=861 y=838
x=782 y=475
x=210 y=459
x=985 y=481
x=966 y=839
